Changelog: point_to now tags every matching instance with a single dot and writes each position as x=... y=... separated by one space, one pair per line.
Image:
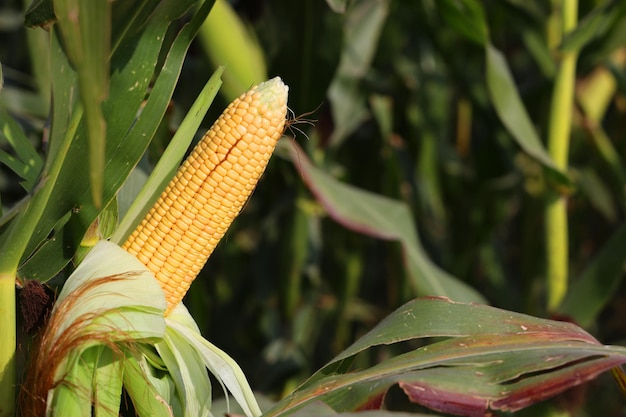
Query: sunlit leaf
x=86 y=29
x=134 y=65
x=107 y=383
x=74 y=396
x=193 y=387
x=137 y=286
x=148 y=401
x=169 y=162
x=184 y=335
x=110 y=301
x=489 y=359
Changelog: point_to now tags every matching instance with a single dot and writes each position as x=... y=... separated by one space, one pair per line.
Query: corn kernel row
x=182 y=229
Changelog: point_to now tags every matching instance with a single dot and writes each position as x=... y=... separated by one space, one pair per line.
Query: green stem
x=352 y=282
x=7 y=346
x=558 y=147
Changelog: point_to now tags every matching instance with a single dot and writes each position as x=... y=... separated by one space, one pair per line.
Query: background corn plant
x=492 y=129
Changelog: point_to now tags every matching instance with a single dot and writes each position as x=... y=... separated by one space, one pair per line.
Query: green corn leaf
x=364 y=23
x=512 y=112
x=107 y=381
x=475 y=359
x=73 y=395
x=597 y=283
x=135 y=60
x=93 y=382
x=169 y=161
x=594 y=25
x=384 y=218
x=509 y=106
x=193 y=388
x=149 y=392
x=86 y=29
x=27 y=163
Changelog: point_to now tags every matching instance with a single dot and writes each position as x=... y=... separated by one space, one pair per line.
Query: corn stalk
x=558 y=147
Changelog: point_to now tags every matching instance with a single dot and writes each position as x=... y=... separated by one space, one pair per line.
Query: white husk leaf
x=222 y=366
x=171 y=381
x=128 y=309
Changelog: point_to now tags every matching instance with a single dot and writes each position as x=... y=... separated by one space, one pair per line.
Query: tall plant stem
x=7 y=345
x=558 y=147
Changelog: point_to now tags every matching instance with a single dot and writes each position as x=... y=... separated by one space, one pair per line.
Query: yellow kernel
x=193 y=213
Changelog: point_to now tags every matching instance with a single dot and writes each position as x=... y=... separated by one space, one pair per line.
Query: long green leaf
x=19 y=235
x=595 y=25
x=591 y=292
x=193 y=387
x=510 y=107
x=107 y=382
x=364 y=22
x=512 y=112
x=169 y=161
x=86 y=29
x=127 y=138
x=383 y=218
x=64 y=97
x=28 y=163
x=489 y=359
x=73 y=178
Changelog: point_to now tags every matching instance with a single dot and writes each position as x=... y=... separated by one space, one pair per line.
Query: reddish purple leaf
x=441 y=400
x=483 y=360
x=385 y=218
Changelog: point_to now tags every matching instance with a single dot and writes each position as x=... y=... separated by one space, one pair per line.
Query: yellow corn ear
x=181 y=230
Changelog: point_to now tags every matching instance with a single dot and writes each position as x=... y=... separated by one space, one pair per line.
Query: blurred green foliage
x=404 y=107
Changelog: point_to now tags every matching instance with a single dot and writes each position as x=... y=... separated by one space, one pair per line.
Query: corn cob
x=180 y=232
